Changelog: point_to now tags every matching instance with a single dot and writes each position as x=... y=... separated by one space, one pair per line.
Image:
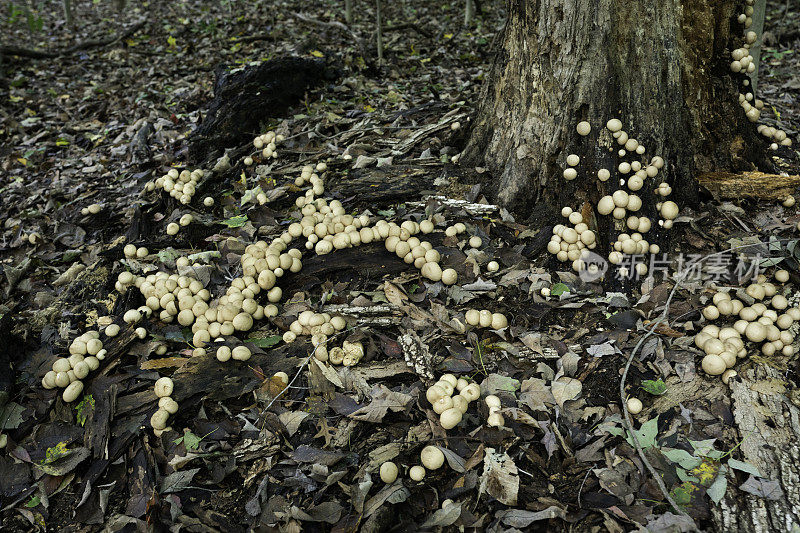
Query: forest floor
x=94 y=125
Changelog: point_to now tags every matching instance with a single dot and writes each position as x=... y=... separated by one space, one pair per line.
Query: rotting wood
x=734 y=186
x=768 y=422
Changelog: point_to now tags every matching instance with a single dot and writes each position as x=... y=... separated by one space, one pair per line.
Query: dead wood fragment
x=246 y=97
x=757 y=185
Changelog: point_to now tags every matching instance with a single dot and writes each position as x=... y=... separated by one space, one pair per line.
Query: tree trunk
x=662 y=68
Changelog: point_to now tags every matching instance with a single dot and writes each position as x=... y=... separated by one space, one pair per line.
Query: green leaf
x=717 y=489
x=682 y=457
x=83 y=408
x=11 y=416
x=656 y=388
x=190 y=441
x=705 y=448
x=266 y=342
x=236 y=222
x=744 y=467
x=681 y=494
x=33 y=502
x=558 y=289
x=646 y=435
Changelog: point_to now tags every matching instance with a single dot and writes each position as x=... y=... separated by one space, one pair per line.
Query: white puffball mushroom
x=756 y=332
x=224 y=352
x=416 y=473
x=495 y=420
x=388 y=472
x=164 y=387
x=583 y=128
x=431 y=457
x=614 y=125
x=573 y=160
x=499 y=321
x=450 y=418
x=241 y=353
x=713 y=365
x=72 y=391
x=159 y=419
x=208 y=201
x=492 y=401
x=475 y=241
x=669 y=210
x=493 y=266
x=711 y=312
x=727 y=375
x=449 y=276
x=782 y=276
x=634 y=406
x=570 y=174
x=471 y=392
x=168 y=404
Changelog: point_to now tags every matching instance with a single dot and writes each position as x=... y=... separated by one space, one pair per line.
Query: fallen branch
x=452 y=203
x=729 y=186
x=7 y=50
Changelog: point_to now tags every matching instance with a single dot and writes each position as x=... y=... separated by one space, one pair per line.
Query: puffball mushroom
x=241 y=353
x=416 y=473
x=781 y=276
x=450 y=418
x=449 y=276
x=583 y=128
x=713 y=365
x=431 y=457
x=388 y=472
x=475 y=241
x=495 y=420
x=573 y=160
x=72 y=391
x=159 y=419
x=471 y=392
x=493 y=266
x=669 y=210
x=570 y=174
x=634 y=406
x=164 y=387
x=614 y=125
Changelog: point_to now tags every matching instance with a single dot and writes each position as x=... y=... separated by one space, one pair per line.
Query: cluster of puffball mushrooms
x=769 y=320
x=573 y=242
x=451 y=408
x=183 y=298
x=742 y=62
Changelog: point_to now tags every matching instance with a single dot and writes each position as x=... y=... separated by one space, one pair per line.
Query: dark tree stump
x=246 y=97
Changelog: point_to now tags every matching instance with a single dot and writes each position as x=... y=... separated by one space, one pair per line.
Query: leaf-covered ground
x=96 y=125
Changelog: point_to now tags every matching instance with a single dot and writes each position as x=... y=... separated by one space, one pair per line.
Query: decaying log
x=731 y=186
x=246 y=97
x=768 y=422
x=379 y=187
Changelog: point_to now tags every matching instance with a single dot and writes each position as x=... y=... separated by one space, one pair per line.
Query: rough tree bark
x=660 y=67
